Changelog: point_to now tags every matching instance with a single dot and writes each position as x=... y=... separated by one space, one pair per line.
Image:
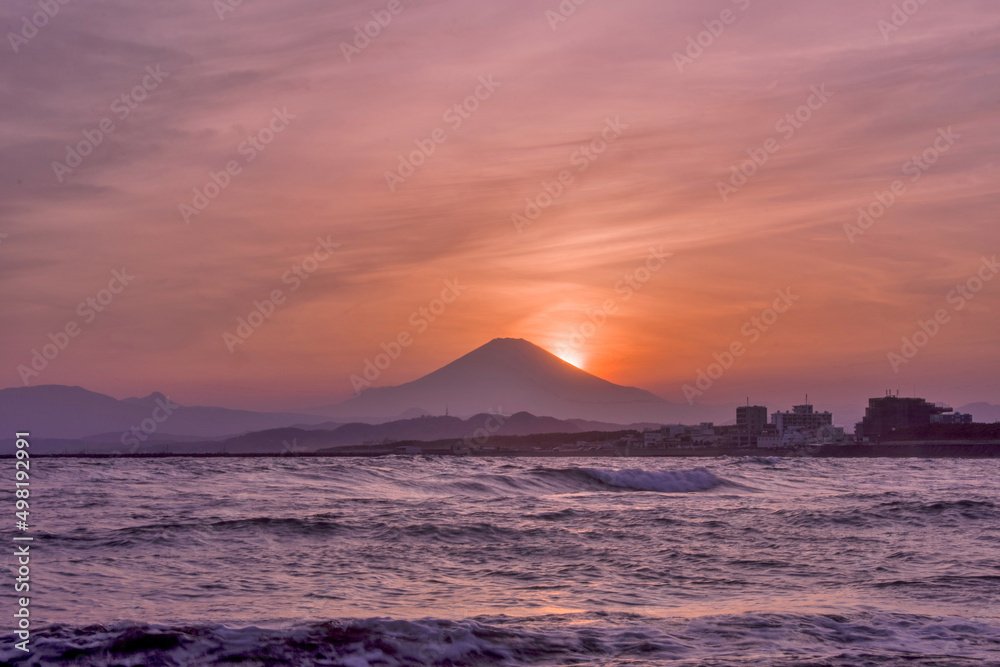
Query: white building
x=653 y=438
x=801 y=417
x=770 y=441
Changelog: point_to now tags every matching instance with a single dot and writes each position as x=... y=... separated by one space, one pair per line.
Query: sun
x=573 y=357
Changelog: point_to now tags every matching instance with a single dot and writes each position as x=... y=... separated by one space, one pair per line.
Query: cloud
x=656 y=185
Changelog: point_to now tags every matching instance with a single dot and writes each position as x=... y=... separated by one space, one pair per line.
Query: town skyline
x=504 y=376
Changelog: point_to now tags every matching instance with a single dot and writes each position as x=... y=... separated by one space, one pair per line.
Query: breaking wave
x=871 y=638
x=663 y=481
x=542 y=480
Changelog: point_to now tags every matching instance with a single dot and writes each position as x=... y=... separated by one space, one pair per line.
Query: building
x=802 y=417
x=653 y=438
x=831 y=435
x=674 y=430
x=890 y=413
x=750 y=422
x=953 y=418
x=770 y=437
x=751 y=419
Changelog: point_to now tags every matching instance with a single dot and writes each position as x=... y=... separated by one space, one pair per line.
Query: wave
x=534 y=482
x=626 y=479
x=663 y=481
x=763 y=460
x=542 y=481
x=971 y=509
x=597 y=638
x=912 y=513
x=314 y=527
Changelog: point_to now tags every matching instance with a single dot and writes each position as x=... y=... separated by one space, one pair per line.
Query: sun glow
x=573 y=357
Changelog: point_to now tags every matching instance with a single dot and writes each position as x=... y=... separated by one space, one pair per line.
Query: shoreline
x=932 y=449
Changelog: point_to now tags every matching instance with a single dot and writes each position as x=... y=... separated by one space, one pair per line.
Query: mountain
x=421 y=428
x=439 y=428
x=513 y=375
x=506 y=375
x=301 y=440
x=57 y=411
x=982 y=412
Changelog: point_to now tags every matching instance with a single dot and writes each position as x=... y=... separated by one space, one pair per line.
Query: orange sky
x=672 y=130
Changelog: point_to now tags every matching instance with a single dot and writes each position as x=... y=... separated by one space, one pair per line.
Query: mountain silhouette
x=58 y=411
x=512 y=375
x=506 y=375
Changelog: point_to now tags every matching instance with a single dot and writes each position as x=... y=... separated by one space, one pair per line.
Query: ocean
x=496 y=561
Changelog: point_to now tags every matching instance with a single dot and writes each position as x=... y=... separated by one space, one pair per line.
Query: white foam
x=857 y=637
x=664 y=481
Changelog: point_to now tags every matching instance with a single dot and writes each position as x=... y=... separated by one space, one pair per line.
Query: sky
x=565 y=173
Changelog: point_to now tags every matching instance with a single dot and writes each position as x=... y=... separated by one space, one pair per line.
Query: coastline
x=905 y=449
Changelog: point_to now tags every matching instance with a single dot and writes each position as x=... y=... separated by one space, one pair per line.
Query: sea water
x=516 y=561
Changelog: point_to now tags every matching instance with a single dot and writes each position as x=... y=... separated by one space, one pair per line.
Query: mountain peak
x=147 y=400
x=509 y=344
x=509 y=375
x=520 y=356
x=513 y=346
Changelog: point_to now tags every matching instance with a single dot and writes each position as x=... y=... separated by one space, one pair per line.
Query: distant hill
x=421 y=428
x=302 y=440
x=982 y=412
x=514 y=375
x=57 y=411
